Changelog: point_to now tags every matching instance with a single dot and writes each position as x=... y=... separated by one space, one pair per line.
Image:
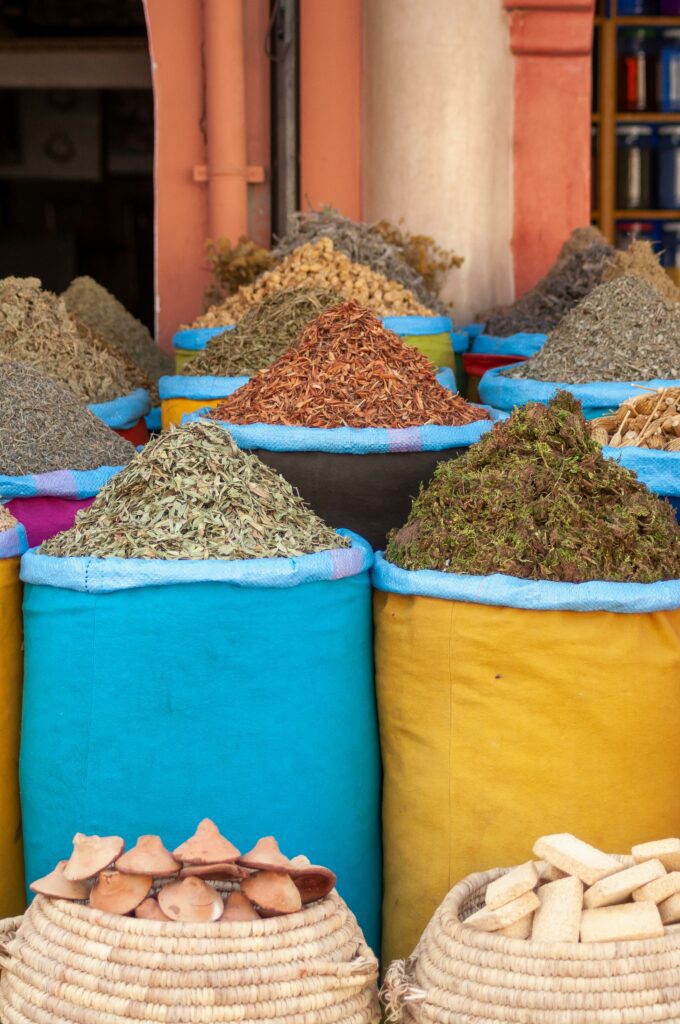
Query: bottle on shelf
x=669 y=66
x=669 y=166
x=669 y=7
x=637 y=71
x=634 y=167
x=628 y=7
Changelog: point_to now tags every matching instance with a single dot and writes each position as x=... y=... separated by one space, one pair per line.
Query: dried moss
x=536 y=499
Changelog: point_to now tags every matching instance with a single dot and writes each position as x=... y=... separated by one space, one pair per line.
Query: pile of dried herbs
x=536 y=499
x=640 y=260
x=577 y=271
x=91 y=304
x=415 y=261
x=234 y=265
x=622 y=331
x=318 y=265
x=36 y=328
x=191 y=493
x=262 y=334
x=7 y=520
x=44 y=427
x=347 y=370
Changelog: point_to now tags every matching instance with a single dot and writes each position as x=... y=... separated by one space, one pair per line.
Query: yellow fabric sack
x=172 y=409
x=12 y=896
x=500 y=724
x=184 y=356
x=437 y=347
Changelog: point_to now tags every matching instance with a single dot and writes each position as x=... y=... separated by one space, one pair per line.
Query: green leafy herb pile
x=536 y=499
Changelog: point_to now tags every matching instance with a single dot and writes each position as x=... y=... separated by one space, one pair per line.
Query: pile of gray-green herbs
x=622 y=331
x=44 y=427
x=191 y=493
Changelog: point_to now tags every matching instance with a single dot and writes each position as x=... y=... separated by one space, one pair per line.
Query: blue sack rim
x=353 y=440
x=657 y=470
x=124 y=412
x=13 y=541
x=196 y=338
x=60 y=483
x=503 y=392
x=415 y=326
x=104 y=575
x=521 y=344
x=198 y=388
x=498 y=589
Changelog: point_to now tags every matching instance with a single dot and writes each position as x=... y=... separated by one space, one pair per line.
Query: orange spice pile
x=347 y=370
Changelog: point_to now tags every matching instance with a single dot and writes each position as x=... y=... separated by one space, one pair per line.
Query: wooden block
x=548 y=872
x=518 y=930
x=670 y=909
x=511 y=885
x=558 y=919
x=660 y=889
x=620 y=887
x=665 y=850
x=621 y=924
x=493 y=920
x=575 y=857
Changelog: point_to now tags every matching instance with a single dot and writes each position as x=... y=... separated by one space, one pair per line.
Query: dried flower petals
x=346 y=369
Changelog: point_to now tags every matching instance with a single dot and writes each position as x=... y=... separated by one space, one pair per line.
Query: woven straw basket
x=458 y=975
x=67 y=962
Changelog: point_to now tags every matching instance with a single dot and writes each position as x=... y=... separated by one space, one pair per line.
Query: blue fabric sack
x=196 y=339
x=413 y=326
x=157 y=693
x=61 y=483
x=123 y=413
x=659 y=471
x=597 y=398
x=499 y=589
x=198 y=388
x=522 y=344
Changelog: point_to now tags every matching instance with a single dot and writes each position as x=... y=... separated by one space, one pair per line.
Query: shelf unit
x=607 y=116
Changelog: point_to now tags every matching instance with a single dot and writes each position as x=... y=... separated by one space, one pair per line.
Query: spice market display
x=334 y=599
x=347 y=370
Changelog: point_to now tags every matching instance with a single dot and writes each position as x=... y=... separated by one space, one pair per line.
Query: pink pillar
x=551 y=41
x=181 y=211
x=330 y=104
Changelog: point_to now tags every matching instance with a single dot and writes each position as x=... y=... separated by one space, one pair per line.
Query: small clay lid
x=207 y=846
x=148 y=857
x=313 y=882
x=190 y=900
x=119 y=894
x=273 y=893
x=58 y=887
x=91 y=854
x=215 y=872
x=148 y=910
x=239 y=908
x=266 y=856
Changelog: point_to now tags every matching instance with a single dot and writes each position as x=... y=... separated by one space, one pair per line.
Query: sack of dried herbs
x=55 y=455
x=218 y=614
x=527 y=687
x=349 y=387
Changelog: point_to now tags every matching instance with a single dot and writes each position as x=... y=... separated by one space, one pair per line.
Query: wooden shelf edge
x=647 y=214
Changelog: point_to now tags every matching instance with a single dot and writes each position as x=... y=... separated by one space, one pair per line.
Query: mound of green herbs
x=536 y=499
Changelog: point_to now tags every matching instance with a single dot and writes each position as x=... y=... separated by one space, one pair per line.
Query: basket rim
x=80 y=909
x=503 y=944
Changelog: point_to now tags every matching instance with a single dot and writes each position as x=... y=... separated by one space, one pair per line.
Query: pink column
x=181 y=213
x=330 y=98
x=551 y=41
